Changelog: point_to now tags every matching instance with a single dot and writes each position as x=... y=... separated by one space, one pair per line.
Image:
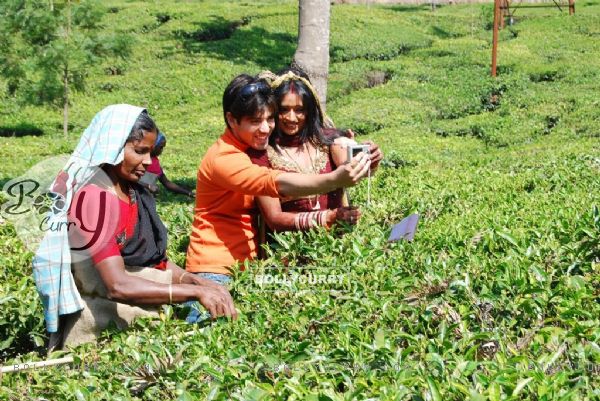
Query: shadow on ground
x=411 y=8
x=240 y=44
x=20 y=130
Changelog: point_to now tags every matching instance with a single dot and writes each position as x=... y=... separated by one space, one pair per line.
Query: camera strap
x=369 y=186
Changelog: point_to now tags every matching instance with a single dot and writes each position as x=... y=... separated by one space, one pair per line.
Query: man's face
x=254 y=130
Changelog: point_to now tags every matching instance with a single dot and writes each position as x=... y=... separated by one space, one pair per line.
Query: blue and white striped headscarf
x=102 y=142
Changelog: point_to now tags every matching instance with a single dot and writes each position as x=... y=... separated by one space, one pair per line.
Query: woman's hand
x=215 y=298
x=375 y=153
x=210 y=294
x=349 y=215
x=339 y=150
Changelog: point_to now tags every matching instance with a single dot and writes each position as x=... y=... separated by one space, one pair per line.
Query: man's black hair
x=259 y=98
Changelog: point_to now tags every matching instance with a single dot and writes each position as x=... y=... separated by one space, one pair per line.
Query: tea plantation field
x=497 y=297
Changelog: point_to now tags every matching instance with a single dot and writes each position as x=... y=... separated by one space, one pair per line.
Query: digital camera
x=353 y=150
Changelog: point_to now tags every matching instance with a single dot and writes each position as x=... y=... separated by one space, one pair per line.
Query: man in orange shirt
x=227 y=181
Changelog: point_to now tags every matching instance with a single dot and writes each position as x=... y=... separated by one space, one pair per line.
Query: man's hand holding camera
x=350 y=173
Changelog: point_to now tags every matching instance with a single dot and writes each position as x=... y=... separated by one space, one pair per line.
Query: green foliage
x=49 y=46
x=495 y=299
x=21 y=319
x=347 y=28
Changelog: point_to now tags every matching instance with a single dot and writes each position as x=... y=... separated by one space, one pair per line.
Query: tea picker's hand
x=217 y=300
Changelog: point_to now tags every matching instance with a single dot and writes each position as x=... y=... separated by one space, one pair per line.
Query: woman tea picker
x=155 y=173
x=108 y=262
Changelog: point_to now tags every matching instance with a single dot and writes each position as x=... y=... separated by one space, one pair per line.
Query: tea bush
x=495 y=299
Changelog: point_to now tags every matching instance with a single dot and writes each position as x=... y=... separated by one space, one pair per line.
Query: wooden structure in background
x=508 y=8
x=504 y=9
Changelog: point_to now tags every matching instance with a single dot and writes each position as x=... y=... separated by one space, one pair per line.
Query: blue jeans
x=198 y=313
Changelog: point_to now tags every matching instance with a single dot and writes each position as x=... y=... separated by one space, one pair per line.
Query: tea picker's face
x=292 y=115
x=253 y=131
x=136 y=158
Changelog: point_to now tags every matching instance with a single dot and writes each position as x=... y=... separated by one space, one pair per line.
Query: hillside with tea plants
x=496 y=298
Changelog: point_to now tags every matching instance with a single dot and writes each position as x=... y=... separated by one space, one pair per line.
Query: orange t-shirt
x=227 y=182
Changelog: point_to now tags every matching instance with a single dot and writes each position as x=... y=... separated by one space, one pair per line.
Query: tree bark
x=66 y=102
x=66 y=77
x=495 y=36
x=312 y=54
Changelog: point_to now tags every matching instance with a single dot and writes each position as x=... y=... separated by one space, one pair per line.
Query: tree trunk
x=312 y=54
x=66 y=102
x=66 y=77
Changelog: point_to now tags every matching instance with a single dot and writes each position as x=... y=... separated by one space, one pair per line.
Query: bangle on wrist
x=181 y=277
x=297 y=221
x=323 y=218
x=170 y=293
